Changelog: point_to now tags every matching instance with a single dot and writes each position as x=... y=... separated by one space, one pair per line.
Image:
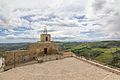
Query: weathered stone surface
x=45 y=37
x=64 y=69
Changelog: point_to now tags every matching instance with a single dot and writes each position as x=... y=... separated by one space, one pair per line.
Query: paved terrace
x=64 y=69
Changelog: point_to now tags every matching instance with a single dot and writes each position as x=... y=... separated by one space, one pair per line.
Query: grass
x=1 y=52
x=107 y=56
x=90 y=49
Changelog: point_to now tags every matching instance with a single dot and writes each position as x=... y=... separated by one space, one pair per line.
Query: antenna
x=45 y=30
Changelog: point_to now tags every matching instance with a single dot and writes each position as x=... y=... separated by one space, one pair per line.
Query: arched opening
x=45 y=50
x=46 y=38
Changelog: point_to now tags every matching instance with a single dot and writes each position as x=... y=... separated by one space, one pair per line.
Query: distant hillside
x=101 y=44
x=64 y=45
x=13 y=46
x=107 y=52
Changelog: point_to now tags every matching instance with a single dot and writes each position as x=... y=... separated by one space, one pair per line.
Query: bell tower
x=45 y=37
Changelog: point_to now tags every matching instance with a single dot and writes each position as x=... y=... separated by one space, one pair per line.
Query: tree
x=116 y=59
x=95 y=54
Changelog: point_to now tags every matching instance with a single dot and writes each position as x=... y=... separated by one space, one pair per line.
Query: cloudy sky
x=66 y=20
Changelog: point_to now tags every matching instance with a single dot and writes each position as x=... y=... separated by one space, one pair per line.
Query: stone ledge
x=99 y=65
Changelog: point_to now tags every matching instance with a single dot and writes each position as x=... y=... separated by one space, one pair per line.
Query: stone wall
x=44 y=36
x=38 y=48
x=33 y=52
x=98 y=65
x=17 y=57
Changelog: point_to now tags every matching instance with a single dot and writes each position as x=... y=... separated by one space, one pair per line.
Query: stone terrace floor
x=64 y=69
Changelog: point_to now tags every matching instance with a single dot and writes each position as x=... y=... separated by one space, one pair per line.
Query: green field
x=1 y=52
x=107 y=52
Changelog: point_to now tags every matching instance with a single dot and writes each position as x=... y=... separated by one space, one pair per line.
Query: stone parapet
x=98 y=65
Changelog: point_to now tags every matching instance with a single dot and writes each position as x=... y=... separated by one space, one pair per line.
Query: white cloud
x=70 y=19
x=106 y=13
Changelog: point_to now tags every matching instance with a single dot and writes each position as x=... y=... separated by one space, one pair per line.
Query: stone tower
x=45 y=37
x=45 y=46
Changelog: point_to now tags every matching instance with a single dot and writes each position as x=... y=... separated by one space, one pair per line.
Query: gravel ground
x=64 y=69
